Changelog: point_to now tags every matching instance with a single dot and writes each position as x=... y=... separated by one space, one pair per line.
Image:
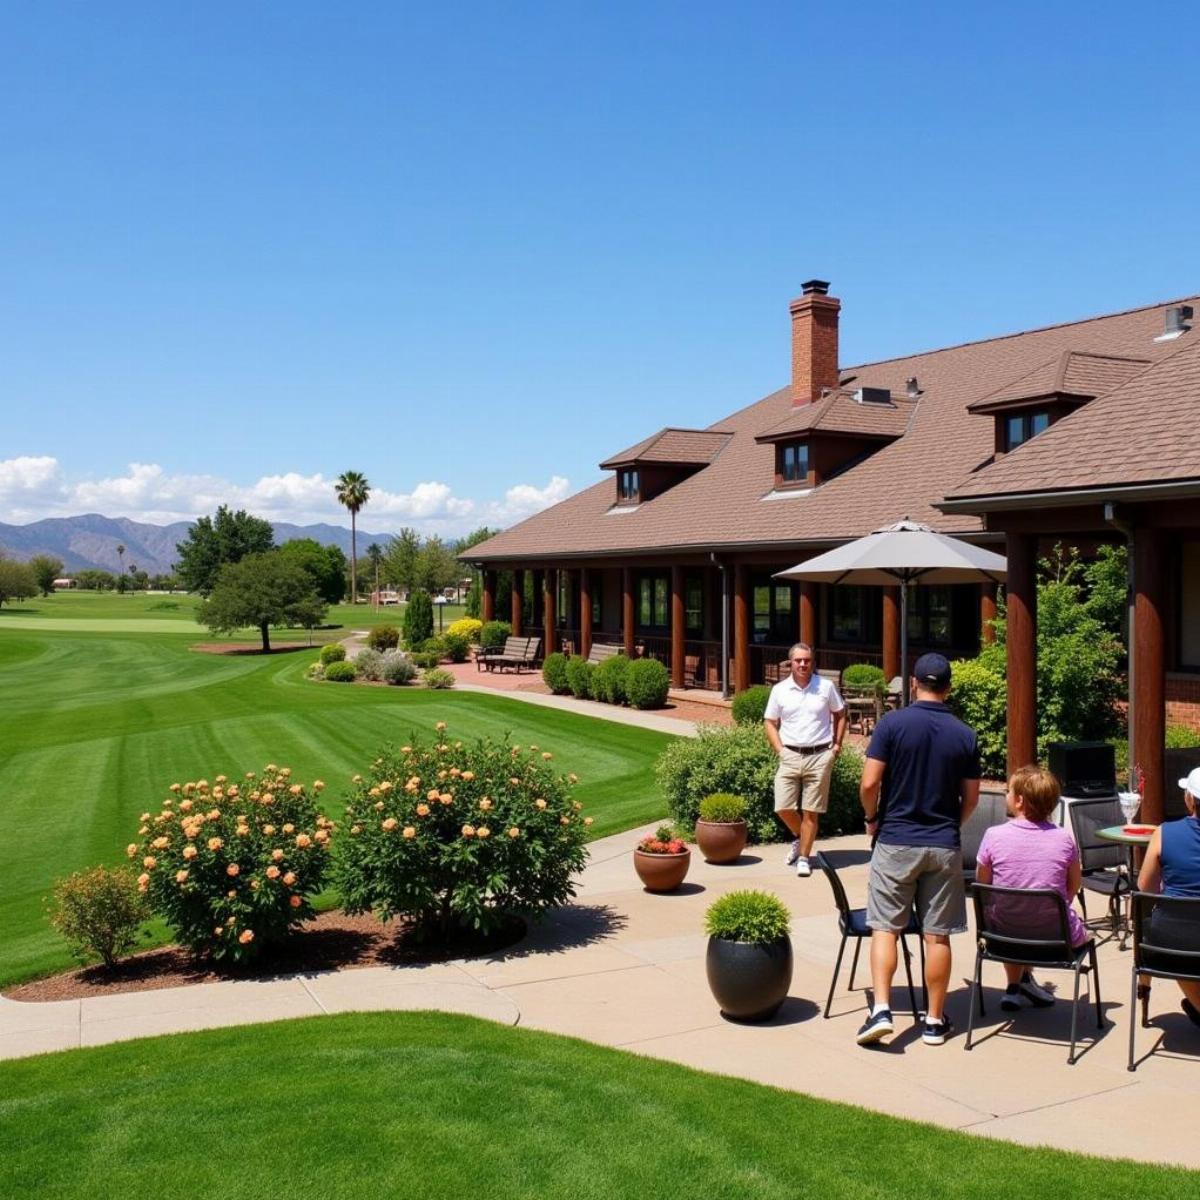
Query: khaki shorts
x=929 y=875
x=802 y=780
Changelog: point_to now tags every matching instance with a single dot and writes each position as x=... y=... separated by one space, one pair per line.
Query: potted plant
x=721 y=830
x=749 y=959
x=662 y=860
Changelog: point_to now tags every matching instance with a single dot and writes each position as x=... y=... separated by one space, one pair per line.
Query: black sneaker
x=1012 y=1000
x=1038 y=996
x=876 y=1028
x=936 y=1032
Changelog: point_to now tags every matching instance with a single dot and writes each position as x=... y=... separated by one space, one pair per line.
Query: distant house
x=385 y=598
x=61 y=585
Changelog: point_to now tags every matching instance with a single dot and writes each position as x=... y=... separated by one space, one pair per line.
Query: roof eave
x=1066 y=497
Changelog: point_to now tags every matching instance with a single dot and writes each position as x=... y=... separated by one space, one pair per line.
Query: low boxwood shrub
x=383 y=637
x=748 y=916
x=457 y=837
x=341 y=672
x=864 y=675
x=426 y=661
x=722 y=807
x=554 y=674
x=608 y=680
x=99 y=912
x=579 y=677
x=468 y=627
x=456 y=646
x=749 y=706
x=334 y=652
x=368 y=663
x=230 y=867
x=492 y=635
x=397 y=668
x=647 y=683
x=437 y=678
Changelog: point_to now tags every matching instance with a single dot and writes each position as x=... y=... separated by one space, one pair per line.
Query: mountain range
x=92 y=540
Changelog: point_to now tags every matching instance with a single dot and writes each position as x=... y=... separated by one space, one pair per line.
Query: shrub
x=864 y=675
x=438 y=679
x=432 y=645
x=230 y=868
x=425 y=661
x=739 y=761
x=316 y=670
x=468 y=627
x=396 y=667
x=340 y=672
x=1181 y=737
x=979 y=696
x=647 y=683
x=608 y=681
x=334 y=652
x=99 y=912
x=383 y=637
x=722 y=807
x=750 y=706
x=748 y=916
x=554 y=674
x=368 y=663
x=418 y=618
x=456 y=837
x=579 y=677
x=456 y=646
x=492 y=636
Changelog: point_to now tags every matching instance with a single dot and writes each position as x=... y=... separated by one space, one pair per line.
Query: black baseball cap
x=933 y=670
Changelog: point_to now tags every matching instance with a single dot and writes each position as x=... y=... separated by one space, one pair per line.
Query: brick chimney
x=814 y=342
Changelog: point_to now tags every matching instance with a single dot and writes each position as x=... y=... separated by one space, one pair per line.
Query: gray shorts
x=929 y=875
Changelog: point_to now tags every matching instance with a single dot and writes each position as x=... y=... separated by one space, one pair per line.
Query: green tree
x=437 y=567
x=375 y=554
x=121 y=558
x=353 y=491
x=418 y=619
x=326 y=565
x=261 y=590
x=46 y=569
x=400 y=559
x=464 y=543
x=214 y=541
x=17 y=581
x=475 y=597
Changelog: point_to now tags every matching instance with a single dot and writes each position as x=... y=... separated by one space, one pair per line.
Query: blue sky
x=471 y=250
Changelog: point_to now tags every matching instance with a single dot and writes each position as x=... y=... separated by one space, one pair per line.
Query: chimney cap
x=815 y=287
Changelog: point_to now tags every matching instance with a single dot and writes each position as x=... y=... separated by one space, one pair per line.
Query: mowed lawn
x=443 y=1107
x=94 y=727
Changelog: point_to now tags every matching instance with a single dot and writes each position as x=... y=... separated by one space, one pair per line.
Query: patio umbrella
x=904 y=553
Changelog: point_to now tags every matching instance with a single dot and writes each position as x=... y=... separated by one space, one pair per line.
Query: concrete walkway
x=626 y=968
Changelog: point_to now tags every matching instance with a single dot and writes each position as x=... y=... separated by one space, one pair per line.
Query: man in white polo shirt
x=805 y=722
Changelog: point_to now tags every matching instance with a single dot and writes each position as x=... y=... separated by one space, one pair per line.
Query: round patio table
x=1132 y=843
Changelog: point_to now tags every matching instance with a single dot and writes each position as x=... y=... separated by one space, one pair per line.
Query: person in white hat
x=1172 y=866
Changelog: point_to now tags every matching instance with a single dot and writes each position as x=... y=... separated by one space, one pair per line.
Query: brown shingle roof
x=1071 y=373
x=840 y=412
x=688 y=447
x=723 y=503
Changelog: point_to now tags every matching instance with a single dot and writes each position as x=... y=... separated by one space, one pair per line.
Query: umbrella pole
x=904 y=641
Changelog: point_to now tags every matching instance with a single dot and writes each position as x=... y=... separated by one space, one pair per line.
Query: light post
x=441 y=603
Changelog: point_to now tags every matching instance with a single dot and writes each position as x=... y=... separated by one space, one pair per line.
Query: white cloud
x=35 y=487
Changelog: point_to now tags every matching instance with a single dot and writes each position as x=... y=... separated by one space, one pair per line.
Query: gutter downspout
x=725 y=693
x=1124 y=527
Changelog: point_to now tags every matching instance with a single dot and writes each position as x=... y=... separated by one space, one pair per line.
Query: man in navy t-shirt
x=920 y=783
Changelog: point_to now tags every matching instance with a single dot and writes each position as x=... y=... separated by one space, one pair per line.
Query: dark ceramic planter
x=721 y=841
x=661 y=872
x=749 y=980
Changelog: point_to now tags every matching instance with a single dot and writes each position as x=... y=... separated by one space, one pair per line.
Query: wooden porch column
x=808 y=613
x=487 y=609
x=518 y=601
x=1149 y=666
x=741 y=628
x=585 y=611
x=678 y=627
x=628 y=619
x=549 y=616
x=987 y=613
x=1022 y=650
x=891 y=633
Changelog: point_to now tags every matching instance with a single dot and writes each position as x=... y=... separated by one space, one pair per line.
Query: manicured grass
x=434 y=1106
x=94 y=727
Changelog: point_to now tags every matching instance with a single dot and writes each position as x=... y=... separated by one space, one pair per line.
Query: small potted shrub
x=721 y=831
x=749 y=958
x=662 y=860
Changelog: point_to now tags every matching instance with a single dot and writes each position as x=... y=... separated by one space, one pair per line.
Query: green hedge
x=608 y=681
x=750 y=705
x=579 y=677
x=647 y=683
x=864 y=675
x=554 y=674
x=494 y=634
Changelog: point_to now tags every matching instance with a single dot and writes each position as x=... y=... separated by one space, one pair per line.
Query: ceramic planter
x=661 y=872
x=749 y=980
x=721 y=841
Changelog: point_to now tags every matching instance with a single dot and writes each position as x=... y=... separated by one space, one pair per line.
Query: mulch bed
x=247 y=648
x=332 y=941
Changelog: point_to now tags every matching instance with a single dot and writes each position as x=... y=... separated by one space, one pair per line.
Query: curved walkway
x=626 y=968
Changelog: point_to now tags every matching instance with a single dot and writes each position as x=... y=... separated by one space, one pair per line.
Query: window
x=929 y=616
x=1020 y=428
x=653 y=596
x=792 y=463
x=629 y=486
x=693 y=603
x=773 y=620
x=848 y=615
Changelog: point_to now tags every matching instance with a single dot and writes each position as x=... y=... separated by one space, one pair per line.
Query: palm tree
x=121 y=556
x=353 y=491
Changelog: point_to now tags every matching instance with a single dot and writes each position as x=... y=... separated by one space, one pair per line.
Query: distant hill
x=92 y=540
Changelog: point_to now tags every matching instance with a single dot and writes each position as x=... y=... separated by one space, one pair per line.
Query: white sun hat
x=1192 y=782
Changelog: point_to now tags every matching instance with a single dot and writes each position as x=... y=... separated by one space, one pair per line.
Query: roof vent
x=815 y=287
x=912 y=389
x=1177 y=318
x=873 y=395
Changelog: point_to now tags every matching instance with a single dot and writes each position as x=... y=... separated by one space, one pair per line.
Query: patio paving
x=626 y=968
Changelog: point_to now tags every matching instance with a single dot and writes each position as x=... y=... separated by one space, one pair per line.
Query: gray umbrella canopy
x=904 y=553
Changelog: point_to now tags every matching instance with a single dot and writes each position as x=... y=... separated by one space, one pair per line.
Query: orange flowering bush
x=230 y=865
x=458 y=837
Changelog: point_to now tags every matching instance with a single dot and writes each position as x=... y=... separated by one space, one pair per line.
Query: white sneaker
x=793 y=854
x=802 y=867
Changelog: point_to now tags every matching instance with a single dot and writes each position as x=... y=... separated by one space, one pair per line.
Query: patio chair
x=991 y=810
x=852 y=923
x=1029 y=926
x=1103 y=862
x=1165 y=946
x=834 y=676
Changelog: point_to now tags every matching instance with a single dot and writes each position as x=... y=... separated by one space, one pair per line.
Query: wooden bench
x=602 y=650
x=518 y=653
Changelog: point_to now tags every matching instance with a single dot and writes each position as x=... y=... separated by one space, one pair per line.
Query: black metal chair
x=1104 y=863
x=1029 y=926
x=991 y=810
x=1166 y=945
x=852 y=923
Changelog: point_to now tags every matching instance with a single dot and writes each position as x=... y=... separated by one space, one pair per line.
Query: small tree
x=46 y=569
x=418 y=619
x=17 y=581
x=99 y=912
x=400 y=559
x=214 y=541
x=260 y=591
x=325 y=564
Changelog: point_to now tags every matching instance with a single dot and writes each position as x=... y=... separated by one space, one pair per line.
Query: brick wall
x=1183 y=700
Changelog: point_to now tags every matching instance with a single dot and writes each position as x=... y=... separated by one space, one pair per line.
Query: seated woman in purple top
x=1172 y=866
x=1030 y=851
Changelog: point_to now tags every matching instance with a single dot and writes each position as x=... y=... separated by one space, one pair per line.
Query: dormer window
x=1020 y=427
x=629 y=486
x=791 y=464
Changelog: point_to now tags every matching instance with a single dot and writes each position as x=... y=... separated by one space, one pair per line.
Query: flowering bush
x=468 y=627
x=99 y=912
x=663 y=841
x=458 y=837
x=230 y=866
